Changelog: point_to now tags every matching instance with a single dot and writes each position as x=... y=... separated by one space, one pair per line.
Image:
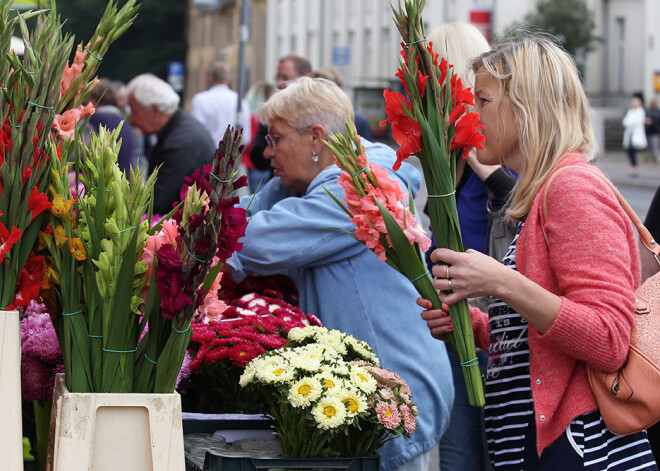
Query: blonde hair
x=309 y=101
x=459 y=43
x=549 y=106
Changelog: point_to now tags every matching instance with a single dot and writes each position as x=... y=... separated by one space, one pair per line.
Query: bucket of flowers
x=329 y=397
x=222 y=346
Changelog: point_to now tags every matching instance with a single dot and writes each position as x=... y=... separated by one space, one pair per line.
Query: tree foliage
x=156 y=38
x=570 y=21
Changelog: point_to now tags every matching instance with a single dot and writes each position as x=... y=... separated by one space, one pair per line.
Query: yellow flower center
x=278 y=371
x=328 y=383
x=351 y=404
x=362 y=377
x=388 y=413
x=329 y=411
x=304 y=390
x=242 y=354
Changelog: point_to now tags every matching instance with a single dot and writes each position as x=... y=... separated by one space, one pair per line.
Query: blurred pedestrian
x=634 y=135
x=653 y=129
x=256 y=96
x=216 y=107
x=289 y=69
x=183 y=144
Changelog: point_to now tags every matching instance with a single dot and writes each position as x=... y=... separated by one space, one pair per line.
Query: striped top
x=510 y=408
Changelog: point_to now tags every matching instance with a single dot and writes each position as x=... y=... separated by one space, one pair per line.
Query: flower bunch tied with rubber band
x=35 y=92
x=329 y=396
x=433 y=121
x=184 y=259
x=383 y=214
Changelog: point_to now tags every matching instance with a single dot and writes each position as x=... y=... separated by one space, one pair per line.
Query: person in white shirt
x=216 y=107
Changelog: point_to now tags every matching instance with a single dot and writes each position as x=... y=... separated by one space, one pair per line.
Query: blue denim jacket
x=350 y=289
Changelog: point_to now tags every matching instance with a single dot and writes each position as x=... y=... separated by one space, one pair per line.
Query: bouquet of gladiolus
x=328 y=395
x=40 y=92
x=222 y=346
x=432 y=121
x=183 y=263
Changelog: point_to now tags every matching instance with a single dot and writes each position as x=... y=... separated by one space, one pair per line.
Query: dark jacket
x=183 y=146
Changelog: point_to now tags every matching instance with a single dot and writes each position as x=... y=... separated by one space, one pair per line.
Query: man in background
x=183 y=144
x=289 y=69
x=216 y=107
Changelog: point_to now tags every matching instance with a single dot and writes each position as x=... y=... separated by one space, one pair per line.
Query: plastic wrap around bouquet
x=329 y=397
x=221 y=348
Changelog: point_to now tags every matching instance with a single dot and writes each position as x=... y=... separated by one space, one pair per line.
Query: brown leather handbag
x=629 y=399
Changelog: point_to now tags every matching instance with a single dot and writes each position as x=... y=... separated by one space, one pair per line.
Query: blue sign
x=175 y=75
x=341 y=55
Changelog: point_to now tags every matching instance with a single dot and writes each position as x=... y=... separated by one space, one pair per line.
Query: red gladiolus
x=37 y=203
x=7 y=239
x=467 y=133
x=421 y=83
x=29 y=280
x=405 y=131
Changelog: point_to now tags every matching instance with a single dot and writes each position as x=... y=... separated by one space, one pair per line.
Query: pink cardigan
x=591 y=261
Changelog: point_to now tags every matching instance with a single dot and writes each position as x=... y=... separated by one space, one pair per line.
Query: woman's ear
x=318 y=132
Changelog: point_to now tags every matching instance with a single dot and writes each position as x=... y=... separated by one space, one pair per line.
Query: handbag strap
x=644 y=234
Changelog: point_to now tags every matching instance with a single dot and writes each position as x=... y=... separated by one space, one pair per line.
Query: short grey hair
x=309 y=101
x=148 y=90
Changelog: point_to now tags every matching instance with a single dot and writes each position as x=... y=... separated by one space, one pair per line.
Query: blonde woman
x=563 y=296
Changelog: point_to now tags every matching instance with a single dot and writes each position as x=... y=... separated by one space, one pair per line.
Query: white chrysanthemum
x=329 y=412
x=333 y=338
x=305 y=362
x=304 y=392
x=272 y=307
x=329 y=381
x=248 y=297
x=361 y=378
x=362 y=349
x=275 y=369
x=353 y=399
x=299 y=333
x=248 y=375
x=335 y=369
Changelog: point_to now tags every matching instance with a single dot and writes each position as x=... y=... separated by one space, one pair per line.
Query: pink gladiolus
x=66 y=122
x=72 y=73
x=212 y=307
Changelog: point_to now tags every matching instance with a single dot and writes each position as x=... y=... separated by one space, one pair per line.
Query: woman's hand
x=482 y=171
x=437 y=320
x=462 y=275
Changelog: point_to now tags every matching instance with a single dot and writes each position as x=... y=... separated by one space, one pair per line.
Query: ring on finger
x=449 y=282
x=447 y=272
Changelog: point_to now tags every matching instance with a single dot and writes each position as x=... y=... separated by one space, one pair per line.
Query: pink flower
x=66 y=122
x=170 y=282
x=72 y=73
x=388 y=415
x=212 y=307
x=409 y=421
x=36 y=379
x=38 y=338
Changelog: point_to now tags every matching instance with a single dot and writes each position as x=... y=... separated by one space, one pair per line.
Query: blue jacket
x=350 y=289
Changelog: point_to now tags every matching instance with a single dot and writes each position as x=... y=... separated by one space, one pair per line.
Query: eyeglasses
x=273 y=141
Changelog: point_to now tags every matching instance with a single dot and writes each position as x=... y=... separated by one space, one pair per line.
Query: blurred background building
x=359 y=38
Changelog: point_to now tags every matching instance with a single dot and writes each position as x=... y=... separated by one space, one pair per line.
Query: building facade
x=359 y=38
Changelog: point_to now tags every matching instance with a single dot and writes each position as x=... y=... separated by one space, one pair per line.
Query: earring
x=315 y=157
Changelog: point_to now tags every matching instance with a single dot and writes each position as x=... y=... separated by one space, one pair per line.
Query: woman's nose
x=268 y=152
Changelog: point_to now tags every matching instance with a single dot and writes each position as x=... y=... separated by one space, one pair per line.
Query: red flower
x=467 y=133
x=405 y=131
x=37 y=203
x=234 y=222
x=7 y=239
x=421 y=83
x=29 y=280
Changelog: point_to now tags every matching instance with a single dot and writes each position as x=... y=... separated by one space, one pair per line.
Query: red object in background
x=482 y=20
